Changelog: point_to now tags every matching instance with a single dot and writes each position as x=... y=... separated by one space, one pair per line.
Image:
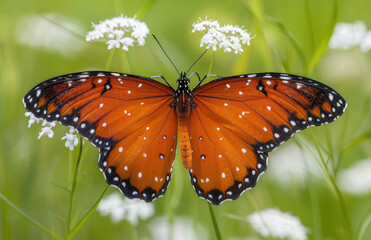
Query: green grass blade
x=348 y=223
x=290 y=37
x=364 y=226
x=356 y=141
x=4 y=183
x=322 y=47
x=87 y=215
x=143 y=9
x=254 y=8
x=27 y=217
x=313 y=197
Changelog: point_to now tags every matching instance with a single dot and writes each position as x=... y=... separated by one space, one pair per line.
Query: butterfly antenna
x=165 y=53
x=196 y=61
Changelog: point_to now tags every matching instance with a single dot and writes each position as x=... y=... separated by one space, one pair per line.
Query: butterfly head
x=183 y=83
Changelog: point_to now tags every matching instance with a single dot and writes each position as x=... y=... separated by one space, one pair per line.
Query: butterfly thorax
x=182 y=97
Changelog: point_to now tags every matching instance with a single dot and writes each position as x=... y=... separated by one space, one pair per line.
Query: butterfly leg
x=199 y=79
x=207 y=75
x=164 y=80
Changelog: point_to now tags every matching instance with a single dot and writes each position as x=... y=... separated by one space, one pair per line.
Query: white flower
x=120 y=32
x=52 y=32
x=290 y=164
x=71 y=139
x=120 y=209
x=32 y=119
x=47 y=129
x=347 y=35
x=356 y=179
x=366 y=42
x=227 y=37
x=179 y=229
x=273 y=222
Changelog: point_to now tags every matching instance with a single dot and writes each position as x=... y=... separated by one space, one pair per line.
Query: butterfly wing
x=123 y=115
x=238 y=120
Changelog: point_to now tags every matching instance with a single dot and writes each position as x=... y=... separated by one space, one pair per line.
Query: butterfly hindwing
x=223 y=165
x=140 y=163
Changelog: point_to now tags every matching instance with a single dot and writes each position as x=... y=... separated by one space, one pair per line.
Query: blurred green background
x=291 y=36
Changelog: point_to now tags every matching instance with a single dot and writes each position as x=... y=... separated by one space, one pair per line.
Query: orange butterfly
x=226 y=127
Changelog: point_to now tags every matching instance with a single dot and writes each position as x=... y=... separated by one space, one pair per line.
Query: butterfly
x=226 y=127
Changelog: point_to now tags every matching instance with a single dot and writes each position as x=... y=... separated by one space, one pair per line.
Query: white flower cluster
x=294 y=165
x=349 y=35
x=71 y=139
x=227 y=37
x=120 y=208
x=356 y=180
x=179 y=228
x=273 y=222
x=47 y=129
x=51 y=32
x=120 y=32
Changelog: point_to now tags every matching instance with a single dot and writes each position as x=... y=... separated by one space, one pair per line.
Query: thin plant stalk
x=125 y=61
x=211 y=64
x=73 y=187
x=109 y=61
x=215 y=223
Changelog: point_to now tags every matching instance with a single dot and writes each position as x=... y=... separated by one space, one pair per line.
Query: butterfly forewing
x=240 y=119
x=125 y=116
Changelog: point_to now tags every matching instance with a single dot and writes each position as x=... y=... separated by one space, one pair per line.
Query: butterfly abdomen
x=185 y=144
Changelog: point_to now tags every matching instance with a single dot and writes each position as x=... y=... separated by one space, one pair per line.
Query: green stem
x=211 y=64
x=125 y=61
x=27 y=217
x=215 y=223
x=72 y=192
x=109 y=61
